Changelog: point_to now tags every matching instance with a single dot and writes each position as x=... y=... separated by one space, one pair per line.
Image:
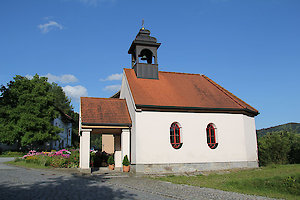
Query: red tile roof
x=186 y=91
x=104 y=111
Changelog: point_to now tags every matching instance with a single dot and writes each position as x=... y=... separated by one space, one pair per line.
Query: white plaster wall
x=118 y=158
x=235 y=135
x=125 y=93
x=125 y=143
x=250 y=138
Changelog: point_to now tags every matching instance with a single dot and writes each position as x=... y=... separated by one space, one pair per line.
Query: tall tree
x=27 y=109
x=61 y=101
x=75 y=129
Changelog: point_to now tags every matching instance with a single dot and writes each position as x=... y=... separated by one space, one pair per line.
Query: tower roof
x=143 y=38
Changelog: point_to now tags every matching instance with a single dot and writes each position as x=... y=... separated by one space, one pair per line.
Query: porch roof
x=104 y=112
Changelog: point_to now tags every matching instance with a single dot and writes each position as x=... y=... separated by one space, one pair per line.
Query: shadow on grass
x=64 y=187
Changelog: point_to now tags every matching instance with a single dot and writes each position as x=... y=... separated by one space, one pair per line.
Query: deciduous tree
x=27 y=109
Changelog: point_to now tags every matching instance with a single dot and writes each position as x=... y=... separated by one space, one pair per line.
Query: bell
x=144 y=57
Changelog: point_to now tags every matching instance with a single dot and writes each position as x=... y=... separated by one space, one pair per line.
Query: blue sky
x=250 y=47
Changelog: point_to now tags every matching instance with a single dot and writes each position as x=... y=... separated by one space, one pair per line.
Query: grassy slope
x=280 y=181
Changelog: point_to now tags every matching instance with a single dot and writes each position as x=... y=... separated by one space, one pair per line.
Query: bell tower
x=143 y=52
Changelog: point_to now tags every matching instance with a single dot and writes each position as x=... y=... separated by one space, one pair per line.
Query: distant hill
x=284 y=127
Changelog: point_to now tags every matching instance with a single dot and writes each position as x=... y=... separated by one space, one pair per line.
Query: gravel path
x=22 y=183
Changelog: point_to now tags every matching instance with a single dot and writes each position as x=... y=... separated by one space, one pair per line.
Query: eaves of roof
x=196 y=109
x=107 y=124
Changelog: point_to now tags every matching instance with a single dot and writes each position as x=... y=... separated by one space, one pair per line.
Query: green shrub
x=43 y=160
x=73 y=161
x=294 y=154
x=126 y=161
x=279 y=148
x=111 y=160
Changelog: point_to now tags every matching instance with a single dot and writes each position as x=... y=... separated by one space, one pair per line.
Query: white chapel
x=169 y=122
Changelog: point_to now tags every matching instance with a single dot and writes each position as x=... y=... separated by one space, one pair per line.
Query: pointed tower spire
x=143 y=24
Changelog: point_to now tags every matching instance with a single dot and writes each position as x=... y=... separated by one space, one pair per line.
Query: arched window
x=211 y=136
x=175 y=136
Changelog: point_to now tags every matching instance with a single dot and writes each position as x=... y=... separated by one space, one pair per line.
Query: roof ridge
x=100 y=98
x=179 y=73
x=229 y=94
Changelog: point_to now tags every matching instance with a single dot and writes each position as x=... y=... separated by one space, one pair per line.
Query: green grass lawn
x=12 y=154
x=15 y=156
x=277 y=181
x=23 y=163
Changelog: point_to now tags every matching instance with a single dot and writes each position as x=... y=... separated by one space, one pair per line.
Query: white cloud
x=112 y=88
x=51 y=25
x=29 y=76
x=66 y=78
x=75 y=92
x=113 y=77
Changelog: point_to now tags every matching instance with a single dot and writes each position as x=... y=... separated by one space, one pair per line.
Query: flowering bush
x=31 y=159
x=58 y=161
x=62 y=158
x=63 y=153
